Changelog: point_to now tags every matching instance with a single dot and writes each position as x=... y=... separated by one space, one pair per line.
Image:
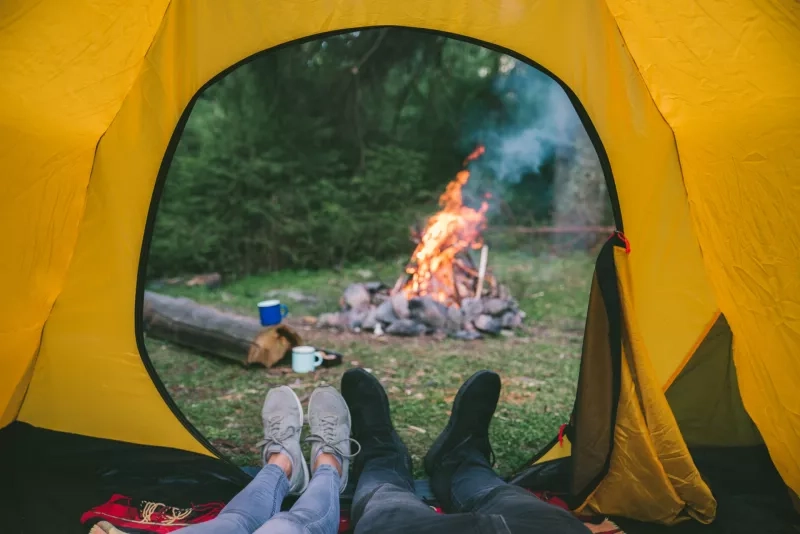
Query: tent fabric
x=705 y=397
x=736 y=130
x=591 y=426
x=692 y=104
x=90 y=330
x=648 y=446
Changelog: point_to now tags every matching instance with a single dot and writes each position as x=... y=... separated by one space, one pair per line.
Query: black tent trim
x=606 y=271
x=173 y=145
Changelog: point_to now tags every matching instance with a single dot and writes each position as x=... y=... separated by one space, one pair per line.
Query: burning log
x=447 y=234
x=441 y=289
x=235 y=337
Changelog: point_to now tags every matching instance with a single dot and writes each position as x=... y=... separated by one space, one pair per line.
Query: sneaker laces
x=327 y=437
x=273 y=434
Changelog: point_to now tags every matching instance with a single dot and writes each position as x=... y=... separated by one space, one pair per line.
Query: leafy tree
x=321 y=153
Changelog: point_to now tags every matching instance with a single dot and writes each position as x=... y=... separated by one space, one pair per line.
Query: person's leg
x=250 y=508
x=472 y=480
x=465 y=439
x=523 y=512
x=476 y=488
x=384 y=501
x=384 y=496
x=284 y=471
x=317 y=510
x=461 y=474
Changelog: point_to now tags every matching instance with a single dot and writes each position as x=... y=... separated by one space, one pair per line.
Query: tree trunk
x=205 y=329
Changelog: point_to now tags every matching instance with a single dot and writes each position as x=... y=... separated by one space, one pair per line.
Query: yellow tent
x=694 y=107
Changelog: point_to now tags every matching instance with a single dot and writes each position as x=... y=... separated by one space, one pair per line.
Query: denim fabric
x=250 y=508
x=315 y=512
x=256 y=509
x=385 y=503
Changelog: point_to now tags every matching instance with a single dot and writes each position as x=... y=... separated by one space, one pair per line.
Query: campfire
x=442 y=289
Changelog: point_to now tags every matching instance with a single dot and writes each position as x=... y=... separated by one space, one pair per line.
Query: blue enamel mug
x=271 y=312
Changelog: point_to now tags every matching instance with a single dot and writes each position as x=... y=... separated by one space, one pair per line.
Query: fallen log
x=205 y=329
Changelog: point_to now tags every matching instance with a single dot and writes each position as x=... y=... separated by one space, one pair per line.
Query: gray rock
x=488 y=324
x=355 y=319
x=385 y=313
x=503 y=292
x=355 y=297
x=472 y=308
x=400 y=305
x=379 y=298
x=428 y=312
x=455 y=319
x=511 y=320
x=374 y=287
x=406 y=327
x=495 y=307
x=466 y=335
x=371 y=320
x=330 y=320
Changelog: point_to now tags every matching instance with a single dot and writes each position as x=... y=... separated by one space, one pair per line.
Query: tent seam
x=686 y=359
x=94 y=163
x=81 y=218
x=660 y=114
x=716 y=315
x=641 y=77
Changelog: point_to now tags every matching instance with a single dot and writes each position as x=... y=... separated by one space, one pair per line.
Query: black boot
x=372 y=425
x=466 y=436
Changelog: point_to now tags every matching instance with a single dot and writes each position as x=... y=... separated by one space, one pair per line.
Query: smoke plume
x=540 y=121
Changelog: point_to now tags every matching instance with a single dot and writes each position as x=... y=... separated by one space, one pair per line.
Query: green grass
x=539 y=365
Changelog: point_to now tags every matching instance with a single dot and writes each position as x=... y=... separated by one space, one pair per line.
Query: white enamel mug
x=305 y=359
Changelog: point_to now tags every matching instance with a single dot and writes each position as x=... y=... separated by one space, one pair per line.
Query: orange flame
x=447 y=233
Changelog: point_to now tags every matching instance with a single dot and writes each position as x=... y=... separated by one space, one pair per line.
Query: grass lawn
x=539 y=365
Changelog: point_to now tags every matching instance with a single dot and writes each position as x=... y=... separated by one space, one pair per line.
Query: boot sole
x=434 y=453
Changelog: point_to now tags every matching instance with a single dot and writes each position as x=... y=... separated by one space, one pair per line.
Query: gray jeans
x=256 y=509
x=385 y=503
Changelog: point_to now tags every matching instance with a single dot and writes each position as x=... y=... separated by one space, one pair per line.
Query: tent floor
x=49 y=479
x=751 y=496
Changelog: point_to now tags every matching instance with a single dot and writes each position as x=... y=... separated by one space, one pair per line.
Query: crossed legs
x=458 y=465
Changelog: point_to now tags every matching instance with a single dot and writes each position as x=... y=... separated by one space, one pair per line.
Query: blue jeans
x=256 y=509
